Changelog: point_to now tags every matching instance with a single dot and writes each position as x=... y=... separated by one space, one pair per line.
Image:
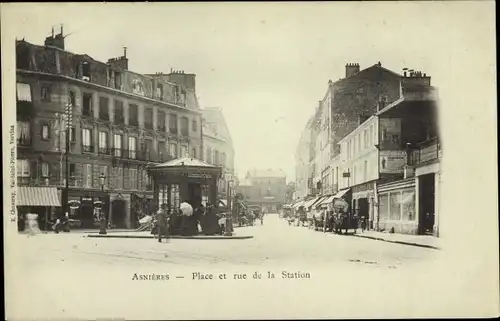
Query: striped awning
x=23 y=92
x=38 y=196
x=327 y=200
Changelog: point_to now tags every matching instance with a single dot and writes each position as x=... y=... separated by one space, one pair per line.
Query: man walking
x=161 y=222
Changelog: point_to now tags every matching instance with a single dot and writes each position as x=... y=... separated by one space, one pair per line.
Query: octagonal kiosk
x=188 y=180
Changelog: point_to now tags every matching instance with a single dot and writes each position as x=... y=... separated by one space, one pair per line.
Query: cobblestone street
x=107 y=265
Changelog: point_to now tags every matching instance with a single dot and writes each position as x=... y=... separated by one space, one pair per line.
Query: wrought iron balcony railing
x=88 y=149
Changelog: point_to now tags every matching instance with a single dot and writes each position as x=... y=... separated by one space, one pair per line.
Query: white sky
x=266 y=65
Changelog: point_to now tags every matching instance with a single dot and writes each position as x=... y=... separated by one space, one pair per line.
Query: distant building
x=121 y=122
x=218 y=146
x=265 y=188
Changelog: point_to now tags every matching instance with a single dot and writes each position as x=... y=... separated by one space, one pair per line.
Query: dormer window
x=86 y=71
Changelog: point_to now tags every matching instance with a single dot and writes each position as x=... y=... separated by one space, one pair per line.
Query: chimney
x=62 y=30
x=125 y=52
x=351 y=69
x=52 y=32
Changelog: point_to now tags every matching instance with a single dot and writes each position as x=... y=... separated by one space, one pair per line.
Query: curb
x=172 y=237
x=397 y=242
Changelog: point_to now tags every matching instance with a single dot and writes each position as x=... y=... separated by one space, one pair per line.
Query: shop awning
x=242 y=204
x=327 y=200
x=298 y=204
x=340 y=194
x=223 y=202
x=320 y=201
x=38 y=196
x=311 y=202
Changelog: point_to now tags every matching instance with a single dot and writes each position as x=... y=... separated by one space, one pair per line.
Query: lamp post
x=69 y=120
x=102 y=226
x=229 y=220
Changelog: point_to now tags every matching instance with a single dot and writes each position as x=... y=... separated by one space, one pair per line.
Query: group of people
x=329 y=220
x=188 y=222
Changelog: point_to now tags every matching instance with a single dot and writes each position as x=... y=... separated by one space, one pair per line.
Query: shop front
x=40 y=201
x=396 y=207
x=363 y=202
x=86 y=208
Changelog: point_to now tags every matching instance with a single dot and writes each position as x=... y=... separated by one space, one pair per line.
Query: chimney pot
x=125 y=52
x=62 y=33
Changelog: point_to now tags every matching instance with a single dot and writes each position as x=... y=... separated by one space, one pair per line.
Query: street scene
x=189 y=161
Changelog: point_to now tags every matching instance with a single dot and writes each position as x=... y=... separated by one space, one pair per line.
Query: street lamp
x=68 y=117
x=102 y=229
x=229 y=220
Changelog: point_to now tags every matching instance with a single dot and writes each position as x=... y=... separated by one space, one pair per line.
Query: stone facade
x=107 y=100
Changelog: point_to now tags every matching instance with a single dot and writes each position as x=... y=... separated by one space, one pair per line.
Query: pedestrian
x=162 y=223
x=262 y=218
x=363 y=224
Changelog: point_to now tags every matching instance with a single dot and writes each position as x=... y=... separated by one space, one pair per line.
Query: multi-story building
x=345 y=102
x=265 y=188
x=121 y=122
x=375 y=157
x=218 y=146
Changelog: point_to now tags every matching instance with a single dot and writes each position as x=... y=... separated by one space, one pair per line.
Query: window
x=119 y=118
x=353 y=176
x=72 y=134
x=216 y=158
x=195 y=125
x=209 y=156
x=193 y=153
x=72 y=98
x=365 y=170
x=159 y=91
x=384 y=207
x=86 y=71
x=45 y=132
x=118 y=145
x=395 y=206
x=103 y=108
x=103 y=142
x=148 y=148
x=408 y=203
x=23 y=92
x=87 y=175
x=23 y=168
x=46 y=92
x=160 y=126
x=183 y=151
x=365 y=137
x=87 y=105
x=173 y=124
x=173 y=150
x=72 y=175
x=132 y=146
x=103 y=170
x=184 y=126
x=132 y=176
x=44 y=168
x=148 y=118
x=118 y=171
x=87 y=140
x=161 y=151
x=118 y=80
x=133 y=115
x=23 y=133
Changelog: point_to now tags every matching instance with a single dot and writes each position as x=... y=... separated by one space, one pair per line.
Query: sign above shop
x=392 y=162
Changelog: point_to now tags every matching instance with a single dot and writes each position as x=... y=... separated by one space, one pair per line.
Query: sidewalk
x=148 y=235
x=406 y=239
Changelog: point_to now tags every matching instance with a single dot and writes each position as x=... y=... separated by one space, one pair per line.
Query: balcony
x=144 y=155
x=104 y=116
x=428 y=151
x=103 y=151
x=87 y=149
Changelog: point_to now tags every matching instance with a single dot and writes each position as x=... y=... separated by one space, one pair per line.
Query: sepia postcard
x=250 y=160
